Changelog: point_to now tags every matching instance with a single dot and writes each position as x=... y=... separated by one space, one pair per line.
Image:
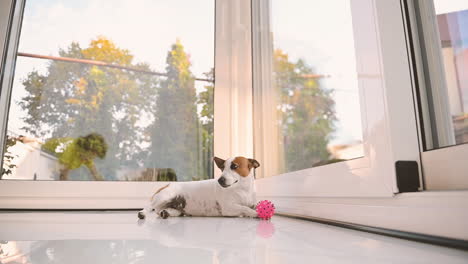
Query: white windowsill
x=438 y=213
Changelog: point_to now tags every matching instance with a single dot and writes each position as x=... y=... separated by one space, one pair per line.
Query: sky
x=448 y=6
x=147 y=28
x=320 y=32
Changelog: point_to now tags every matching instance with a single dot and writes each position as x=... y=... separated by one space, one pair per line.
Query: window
x=336 y=95
x=113 y=91
x=446 y=39
x=453 y=32
x=308 y=98
x=441 y=57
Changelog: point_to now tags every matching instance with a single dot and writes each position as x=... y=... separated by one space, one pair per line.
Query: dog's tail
x=159 y=190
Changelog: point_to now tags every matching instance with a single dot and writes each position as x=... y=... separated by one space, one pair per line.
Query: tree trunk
x=94 y=172
x=64 y=174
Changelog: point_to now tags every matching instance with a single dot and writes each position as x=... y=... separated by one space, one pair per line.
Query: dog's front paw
x=251 y=213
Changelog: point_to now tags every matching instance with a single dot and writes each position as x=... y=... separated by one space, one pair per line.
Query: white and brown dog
x=232 y=194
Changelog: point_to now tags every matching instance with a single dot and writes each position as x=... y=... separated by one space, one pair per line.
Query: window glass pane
x=452 y=24
x=113 y=90
x=314 y=89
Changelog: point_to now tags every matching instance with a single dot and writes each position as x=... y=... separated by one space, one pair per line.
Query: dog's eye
x=234 y=166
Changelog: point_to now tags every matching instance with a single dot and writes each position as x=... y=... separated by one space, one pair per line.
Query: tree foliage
x=206 y=101
x=160 y=122
x=72 y=153
x=306 y=110
x=8 y=157
x=146 y=120
x=72 y=100
x=175 y=131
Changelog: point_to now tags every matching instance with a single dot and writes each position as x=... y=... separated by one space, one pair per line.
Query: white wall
x=32 y=163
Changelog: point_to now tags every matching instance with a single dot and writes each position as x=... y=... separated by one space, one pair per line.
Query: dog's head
x=235 y=170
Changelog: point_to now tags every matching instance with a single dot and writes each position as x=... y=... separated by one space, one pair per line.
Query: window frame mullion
x=233 y=132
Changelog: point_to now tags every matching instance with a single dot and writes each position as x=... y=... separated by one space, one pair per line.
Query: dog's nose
x=222 y=181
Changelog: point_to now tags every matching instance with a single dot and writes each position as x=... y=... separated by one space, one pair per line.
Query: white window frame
x=232 y=124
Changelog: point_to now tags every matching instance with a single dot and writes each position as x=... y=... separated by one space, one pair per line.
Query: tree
x=130 y=110
x=174 y=133
x=73 y=100
x=8 y=156
x=206 y=101
x=307 y=113
x=74 y=153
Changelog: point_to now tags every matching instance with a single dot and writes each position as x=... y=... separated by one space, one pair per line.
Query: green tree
x=175 y=132
x=206 y=101
x=73 y=153
x=307 y=113
x=73 y=100
x=8 y=157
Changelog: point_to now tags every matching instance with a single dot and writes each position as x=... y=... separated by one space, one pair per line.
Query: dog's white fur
x=230 y=195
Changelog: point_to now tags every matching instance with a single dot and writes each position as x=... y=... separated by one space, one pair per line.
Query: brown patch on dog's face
x=243 y=166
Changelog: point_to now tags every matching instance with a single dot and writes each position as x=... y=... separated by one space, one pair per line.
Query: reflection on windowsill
x=346 y=151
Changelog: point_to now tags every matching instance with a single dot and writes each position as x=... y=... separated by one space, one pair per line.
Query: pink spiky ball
x=265 y=209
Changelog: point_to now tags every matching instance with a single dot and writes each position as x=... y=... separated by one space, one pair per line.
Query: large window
x=112 y=90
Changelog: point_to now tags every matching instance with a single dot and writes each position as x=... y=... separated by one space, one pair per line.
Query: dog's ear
x=219 y=162
x=253 y=164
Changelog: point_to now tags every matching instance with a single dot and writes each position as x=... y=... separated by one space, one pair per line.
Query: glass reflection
x=173 y=240
x=97 y=251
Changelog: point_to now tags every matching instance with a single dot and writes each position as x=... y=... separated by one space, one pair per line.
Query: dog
x=232 y=194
